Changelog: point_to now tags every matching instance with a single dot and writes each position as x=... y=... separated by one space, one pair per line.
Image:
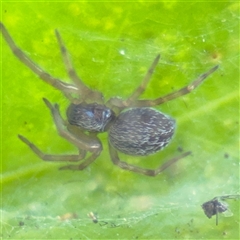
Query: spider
x=133 y=126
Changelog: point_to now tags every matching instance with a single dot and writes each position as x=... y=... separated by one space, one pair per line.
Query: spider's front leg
x=69 y=90
x=84 y=92
x=66 y=88
x=82 y=141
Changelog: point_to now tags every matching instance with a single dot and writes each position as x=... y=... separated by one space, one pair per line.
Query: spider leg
x=85 y=163
x=50 y=157
x=66 y=88
x=237 y=196
x=149 y=172
x=84 y=91
x=141 y=88
x=176 y=94
x=82 y=141
x=121 y=104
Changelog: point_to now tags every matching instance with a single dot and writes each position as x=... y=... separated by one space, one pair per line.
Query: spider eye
x=107 y=113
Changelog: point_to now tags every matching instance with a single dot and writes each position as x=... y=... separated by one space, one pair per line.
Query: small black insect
x=134 y=128
x=217 y=205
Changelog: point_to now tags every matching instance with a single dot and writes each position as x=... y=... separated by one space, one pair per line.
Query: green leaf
x=112 y=44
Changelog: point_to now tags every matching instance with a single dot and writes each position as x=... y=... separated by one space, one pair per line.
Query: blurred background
x=112 y=44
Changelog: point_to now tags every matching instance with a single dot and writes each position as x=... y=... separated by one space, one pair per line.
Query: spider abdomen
x=141 y=131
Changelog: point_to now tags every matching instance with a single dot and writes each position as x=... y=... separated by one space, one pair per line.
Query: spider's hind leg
x=148 y=172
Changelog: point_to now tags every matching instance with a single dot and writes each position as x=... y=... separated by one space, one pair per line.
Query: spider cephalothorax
x=134 y=128
x=90 y=117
